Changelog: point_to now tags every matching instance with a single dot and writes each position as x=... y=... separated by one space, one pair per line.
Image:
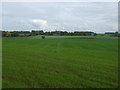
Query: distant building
x=113 y=34
x=56 y=34
x=24 y=34
x=109 y=32
x=84 y=33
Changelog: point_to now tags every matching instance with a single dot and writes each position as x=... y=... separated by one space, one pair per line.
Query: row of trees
x=41 y=32
x=55 y=33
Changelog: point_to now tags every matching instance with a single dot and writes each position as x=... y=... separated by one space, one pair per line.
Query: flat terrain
x=31 y=62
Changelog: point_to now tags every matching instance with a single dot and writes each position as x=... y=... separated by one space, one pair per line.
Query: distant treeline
x=51 y=33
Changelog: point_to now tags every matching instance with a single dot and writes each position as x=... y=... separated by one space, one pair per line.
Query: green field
x=31 y=62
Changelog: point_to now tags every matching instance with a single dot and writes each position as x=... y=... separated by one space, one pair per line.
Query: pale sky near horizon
x=68 y=16
x=60 y=0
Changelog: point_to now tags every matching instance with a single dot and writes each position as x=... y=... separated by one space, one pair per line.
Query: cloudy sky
x=67 y=16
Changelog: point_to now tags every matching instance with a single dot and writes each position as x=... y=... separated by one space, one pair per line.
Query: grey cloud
x=98 y=17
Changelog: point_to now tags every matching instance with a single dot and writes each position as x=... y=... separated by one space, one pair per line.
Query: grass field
x=59 y=63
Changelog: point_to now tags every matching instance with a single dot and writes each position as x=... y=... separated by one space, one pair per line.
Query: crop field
x=32 y=62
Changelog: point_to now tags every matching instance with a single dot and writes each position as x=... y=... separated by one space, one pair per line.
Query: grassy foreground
x=60 y=63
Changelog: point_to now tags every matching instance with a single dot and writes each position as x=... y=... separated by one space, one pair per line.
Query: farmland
x=32 y=62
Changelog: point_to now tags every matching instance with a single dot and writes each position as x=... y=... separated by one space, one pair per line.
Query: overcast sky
x=93 y=16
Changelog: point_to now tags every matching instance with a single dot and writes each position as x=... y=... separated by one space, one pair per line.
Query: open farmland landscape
x=32 y=62
x=62 y=44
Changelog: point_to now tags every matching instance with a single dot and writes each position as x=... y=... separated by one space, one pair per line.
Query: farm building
x=56 y=34
x=24 y=34
x=114 y=34
x=109 y=32
x=84 y=33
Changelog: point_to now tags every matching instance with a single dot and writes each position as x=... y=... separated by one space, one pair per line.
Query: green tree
x=43 y=37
